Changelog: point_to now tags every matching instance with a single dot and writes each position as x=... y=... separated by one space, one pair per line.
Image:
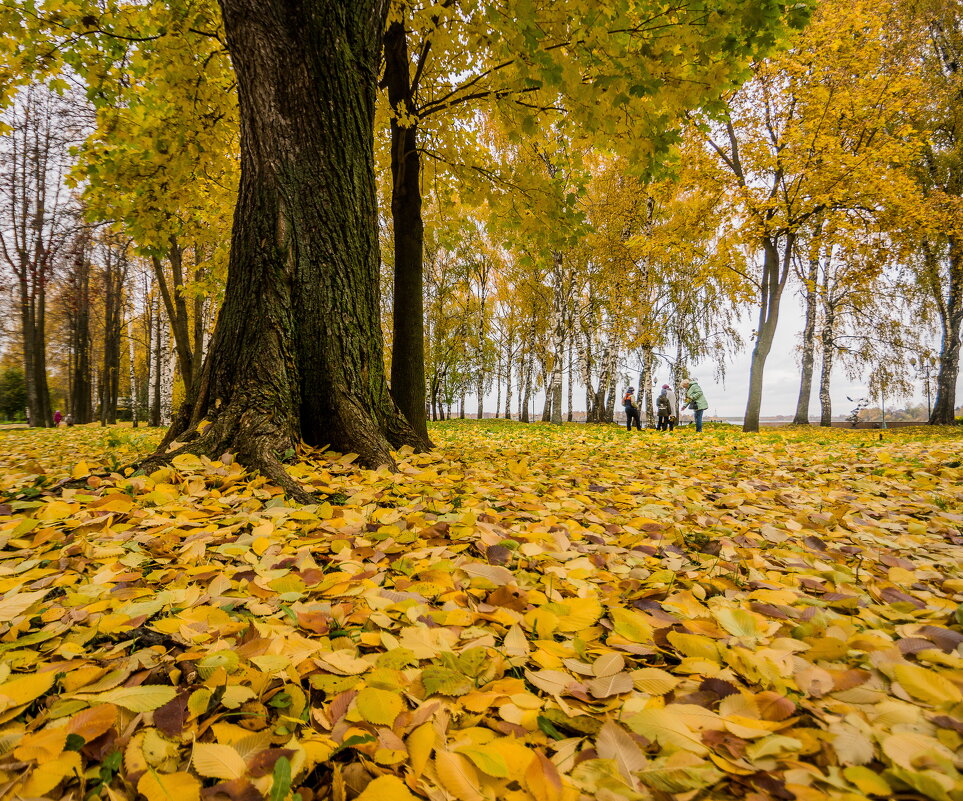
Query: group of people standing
x=667 y=407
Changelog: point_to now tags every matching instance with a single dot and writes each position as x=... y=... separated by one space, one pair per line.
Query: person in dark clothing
x=665 y=406
x=631 y=410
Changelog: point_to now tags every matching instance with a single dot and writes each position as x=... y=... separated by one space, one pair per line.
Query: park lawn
x=527 y=612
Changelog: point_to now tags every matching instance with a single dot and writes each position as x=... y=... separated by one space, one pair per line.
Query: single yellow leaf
x=666 y=728
x=487 y=759
x=420 y=744
x=91 y=723
x=542 y=779
x=41 y=746
x=18 y=603
x=926 y=685
x=632 y=625
x=145 y=698
x=869 y=782
x=50 y=773
x=457 y=776
x=386 y=788
x=25 y=689
x=379 y=707
x=654 y=681
x=215 y=761
x=169 y=786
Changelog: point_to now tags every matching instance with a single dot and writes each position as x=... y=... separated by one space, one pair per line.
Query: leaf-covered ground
x=525 y=613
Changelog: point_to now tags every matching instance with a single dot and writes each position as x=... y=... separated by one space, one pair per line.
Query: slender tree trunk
x=160 y=368
x=610 y=400
x=808 y=343
x=480 y=392
x=34 y=417
x=176 y=307
x=110 y=383
x=408 y=345
x=951 y=320
x=297 y=351
x=133 y=371
x=80 y=396
x=571 y=380
x=775 y=271
x=40 y=353
x=645 y=385
x=498 y=382
x=827 y=337
x=549 y=394
x=526 y=392
x=508 y=380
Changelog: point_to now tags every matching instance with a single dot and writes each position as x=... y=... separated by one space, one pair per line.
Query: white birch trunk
x=132 y=353
x=167 y=374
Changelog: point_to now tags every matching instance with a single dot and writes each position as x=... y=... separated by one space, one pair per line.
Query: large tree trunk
x=808 y=344
x=951 y=320
x=297 y=352
x=408 y=345
x=774 y=274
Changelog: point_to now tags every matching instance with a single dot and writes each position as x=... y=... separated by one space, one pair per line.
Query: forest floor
x=527 y=612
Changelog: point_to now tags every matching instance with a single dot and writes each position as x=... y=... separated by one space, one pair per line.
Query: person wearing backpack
x=665 y=406
x=695 y=399
x=631 y=410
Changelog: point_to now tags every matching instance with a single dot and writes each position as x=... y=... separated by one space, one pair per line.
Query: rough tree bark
x=114 y=275
x=297 y=349
x=408 y=350
x=827 y=336
x=775 y=271
x=79 y=405
x=132 y=366
x=645 y=385
x=508 y=380
x=951 y=322
x=801 y=417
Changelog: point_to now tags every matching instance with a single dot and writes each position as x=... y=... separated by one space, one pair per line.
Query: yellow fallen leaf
x=927 y=685
x=420 y=744
x=50 y=773
x=386 y=788
x=42 y=746
x=169 y=786
x=25 y=689
x=457 y=776
x=215 y=761
x=379 y=707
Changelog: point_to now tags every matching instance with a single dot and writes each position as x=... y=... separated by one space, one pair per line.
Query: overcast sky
x=781 y=381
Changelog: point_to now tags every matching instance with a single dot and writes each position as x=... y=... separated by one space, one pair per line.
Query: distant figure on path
x=695 y=399
x=57 y=418
x=70 y=420
x=665 y=404
x=631 y=410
